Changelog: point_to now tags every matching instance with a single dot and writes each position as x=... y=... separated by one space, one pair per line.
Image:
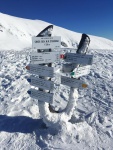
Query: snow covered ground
x=21 y=128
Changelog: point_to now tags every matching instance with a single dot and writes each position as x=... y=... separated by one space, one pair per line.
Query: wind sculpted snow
x=91 y=125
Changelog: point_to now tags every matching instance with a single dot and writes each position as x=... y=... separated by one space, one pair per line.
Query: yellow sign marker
x=84 y=85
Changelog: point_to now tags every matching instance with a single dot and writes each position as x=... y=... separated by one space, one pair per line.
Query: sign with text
x=41 y=70
x=46 y=42
x=79 y=58
x=72 y=82
x=81 y=71
x=68 y=67
x=45 y=57
x=41 y=83
x=41 y=96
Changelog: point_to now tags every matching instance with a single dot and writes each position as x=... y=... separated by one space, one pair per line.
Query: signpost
x=68 y=67
x=79 y=59
x=41 y=70
x=45 y=57
x=73 y=82
x=41 y=83
x=41 y=96
x=80 y=71
x=41 y=65
x=46 y=42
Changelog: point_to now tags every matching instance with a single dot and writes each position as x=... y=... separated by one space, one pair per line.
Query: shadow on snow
x=20 y=124
x=23 y=124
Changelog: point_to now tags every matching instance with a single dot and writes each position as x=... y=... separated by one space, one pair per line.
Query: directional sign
x=68 y=67
x=46 y=42
x=41 y=96
x=41 y=70
x=81 y=71
x=73 y=82
x=79 y=58
x=48 y=57
x=41 y=83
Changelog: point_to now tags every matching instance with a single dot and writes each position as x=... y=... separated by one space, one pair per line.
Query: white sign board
x=41 y=96
x=42 y=83
x=81 y=71
x=46 y=42
x=45 y=57
x=72 y=82
x=79 y=58
x=41 y=70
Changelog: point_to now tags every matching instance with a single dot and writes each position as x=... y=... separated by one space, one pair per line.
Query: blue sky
x=93 y=17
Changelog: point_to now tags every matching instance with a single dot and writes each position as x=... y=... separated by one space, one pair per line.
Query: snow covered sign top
x=46 y=42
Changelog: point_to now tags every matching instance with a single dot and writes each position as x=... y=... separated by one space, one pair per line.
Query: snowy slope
x=16 y=33
x=91 y=127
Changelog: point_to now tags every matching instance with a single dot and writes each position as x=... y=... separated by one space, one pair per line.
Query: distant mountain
x=16 y=33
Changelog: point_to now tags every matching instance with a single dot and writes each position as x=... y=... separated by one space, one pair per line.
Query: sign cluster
x=37 y=68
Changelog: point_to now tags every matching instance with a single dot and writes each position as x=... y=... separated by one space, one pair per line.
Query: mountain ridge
x=17 y=33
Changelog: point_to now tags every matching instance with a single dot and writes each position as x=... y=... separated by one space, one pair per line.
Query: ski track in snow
x=20 y=123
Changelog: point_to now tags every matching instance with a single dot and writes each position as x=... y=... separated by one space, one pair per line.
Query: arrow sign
x=73 y=82
x=81 y=71
x=46 y=42
x=41 y=70
x=68 y=67
x=79 y=59
x=40 y=95
x=48 y=57
x=41 y=83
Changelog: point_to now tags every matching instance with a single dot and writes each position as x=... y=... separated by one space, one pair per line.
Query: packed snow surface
x=21 y=127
